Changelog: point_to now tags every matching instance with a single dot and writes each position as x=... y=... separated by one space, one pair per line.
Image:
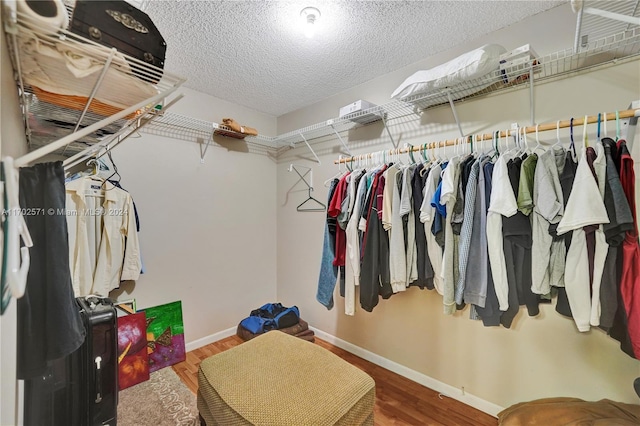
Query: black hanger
x=313 y=204
x=572 y=146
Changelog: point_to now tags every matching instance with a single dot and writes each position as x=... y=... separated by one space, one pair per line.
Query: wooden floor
x=399 y=401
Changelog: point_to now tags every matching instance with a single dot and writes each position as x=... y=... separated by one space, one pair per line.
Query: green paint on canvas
x=163 y=316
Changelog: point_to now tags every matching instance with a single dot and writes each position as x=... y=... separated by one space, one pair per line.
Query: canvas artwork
x=133 y=360
x=165 y=335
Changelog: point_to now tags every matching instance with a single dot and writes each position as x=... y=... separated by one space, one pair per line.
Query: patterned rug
x=163 y=400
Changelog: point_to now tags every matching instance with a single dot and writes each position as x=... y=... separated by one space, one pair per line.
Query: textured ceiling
x=254 y=53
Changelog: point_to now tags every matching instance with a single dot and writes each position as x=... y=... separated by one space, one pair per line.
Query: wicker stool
x=280 y=380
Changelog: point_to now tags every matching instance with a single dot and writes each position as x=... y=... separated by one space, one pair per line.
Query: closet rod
x=503 y=134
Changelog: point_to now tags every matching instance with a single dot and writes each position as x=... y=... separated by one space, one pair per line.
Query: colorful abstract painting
x=165 y=335
x=133 y=360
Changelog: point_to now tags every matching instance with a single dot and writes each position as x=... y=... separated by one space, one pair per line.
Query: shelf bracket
x=384 y=123
x=23 y=94
x=206 y=147
x=96 y=86
x=119 y=138
x=576 y=41
x=311 y=149
x=455 y=114
x=330 y=122
x=532 y=108
x=293 y=168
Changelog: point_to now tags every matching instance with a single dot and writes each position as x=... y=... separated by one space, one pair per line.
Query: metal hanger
x=572 y=146
x=311 y=204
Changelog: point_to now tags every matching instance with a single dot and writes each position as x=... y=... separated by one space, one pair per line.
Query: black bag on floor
x=116 y=23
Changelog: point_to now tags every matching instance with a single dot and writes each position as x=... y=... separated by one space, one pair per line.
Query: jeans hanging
x=49 y=324
x=328 y=272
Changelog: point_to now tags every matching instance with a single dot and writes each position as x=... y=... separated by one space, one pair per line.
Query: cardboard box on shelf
x=352 y=111
x=524 y=50
x=356 y=106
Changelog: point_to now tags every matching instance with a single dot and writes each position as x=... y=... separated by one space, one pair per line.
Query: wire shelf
x=190 y=129
x=614 y=47
x=67 y=83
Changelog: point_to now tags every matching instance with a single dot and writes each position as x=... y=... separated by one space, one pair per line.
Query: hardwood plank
x=399 y=401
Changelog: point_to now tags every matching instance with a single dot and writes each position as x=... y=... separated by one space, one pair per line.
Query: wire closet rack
x=73 y=89
x=609 y=49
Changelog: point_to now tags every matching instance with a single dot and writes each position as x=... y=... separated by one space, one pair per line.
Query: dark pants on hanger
x=49 y=323
x=517 y=254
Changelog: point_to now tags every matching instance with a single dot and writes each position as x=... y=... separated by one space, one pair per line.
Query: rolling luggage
x=82 y=388
x=116 y=23
x=97 y=360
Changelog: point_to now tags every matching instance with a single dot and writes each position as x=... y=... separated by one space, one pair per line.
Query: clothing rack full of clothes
x=493 y=230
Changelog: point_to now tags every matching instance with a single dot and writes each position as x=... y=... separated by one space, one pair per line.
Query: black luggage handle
x=98 y=379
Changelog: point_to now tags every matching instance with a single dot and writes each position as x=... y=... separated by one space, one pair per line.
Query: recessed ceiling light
x=309 y=16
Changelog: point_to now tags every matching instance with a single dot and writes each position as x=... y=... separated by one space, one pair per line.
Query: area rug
x=163 y=400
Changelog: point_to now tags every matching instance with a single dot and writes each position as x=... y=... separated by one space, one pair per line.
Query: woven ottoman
x=280 y=380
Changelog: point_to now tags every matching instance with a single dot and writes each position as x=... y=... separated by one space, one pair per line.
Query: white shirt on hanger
x=502 y=203
x=584 y=207
x=427 y=215
x=103 y=240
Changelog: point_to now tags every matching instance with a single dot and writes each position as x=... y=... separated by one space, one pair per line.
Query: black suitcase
x=98 y=357
x=82 y=388
x=118 y=24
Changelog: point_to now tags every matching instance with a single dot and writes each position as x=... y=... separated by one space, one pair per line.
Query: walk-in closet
x=320 y=212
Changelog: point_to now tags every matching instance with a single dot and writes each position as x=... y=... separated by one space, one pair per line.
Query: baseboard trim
x=423 y=379
x=210 y=339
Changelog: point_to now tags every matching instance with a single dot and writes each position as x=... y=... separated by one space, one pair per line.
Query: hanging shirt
x=408 y=220
x=567 y=178
x=335 y=207
x=490 y=313
x=103 y=247
x=387 y=197
x=427 y=217
x=630 y=277
x=503 y=203
x=547 y=255
x=585 y=207
x=516 y=231
x=357 y=189
x=397 y=254
x=374 y=275
x=425 y=269
x=470 y=219
x=525 y=188
x=448 y=197
x=621 y=221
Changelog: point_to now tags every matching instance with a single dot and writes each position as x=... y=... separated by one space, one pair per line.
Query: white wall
x=537 y=357
x=13 y=143
x=208 y=231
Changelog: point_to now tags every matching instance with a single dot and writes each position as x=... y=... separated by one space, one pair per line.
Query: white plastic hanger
x=538 y=145
x=337 y=175
x=558 y=141
x=17 y=259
